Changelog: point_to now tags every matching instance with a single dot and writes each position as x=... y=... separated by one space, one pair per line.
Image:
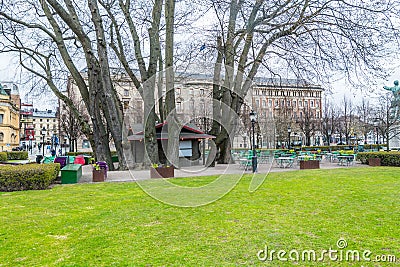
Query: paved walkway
x=132 y=175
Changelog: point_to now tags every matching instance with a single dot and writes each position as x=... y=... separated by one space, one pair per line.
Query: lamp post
x=253 y=119
x=65 y=145
x=329 y=137
x=30 y=142
x=289 y=131
x=44 y=131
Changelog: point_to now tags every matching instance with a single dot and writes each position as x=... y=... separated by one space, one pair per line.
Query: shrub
x=17 y=155
x=3 y=156
x=80 y=153
x=387 y=158
x=28 y=177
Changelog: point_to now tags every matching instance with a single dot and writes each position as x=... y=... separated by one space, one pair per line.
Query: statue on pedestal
x=396 y=101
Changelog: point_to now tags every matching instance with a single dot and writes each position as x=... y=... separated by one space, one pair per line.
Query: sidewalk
x=133 y=175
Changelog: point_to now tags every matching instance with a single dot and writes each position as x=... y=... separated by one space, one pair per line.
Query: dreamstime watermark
x=340 y=253
x=182 y=196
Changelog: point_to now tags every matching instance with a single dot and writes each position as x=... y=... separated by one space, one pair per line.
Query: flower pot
x=374 y=162
x=162 y=172
x=99 y=175
x=309 y=164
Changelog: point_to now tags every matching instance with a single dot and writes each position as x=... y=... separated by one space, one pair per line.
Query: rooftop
x=44 y=113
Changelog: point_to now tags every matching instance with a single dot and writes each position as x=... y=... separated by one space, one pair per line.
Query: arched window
x=1 y=136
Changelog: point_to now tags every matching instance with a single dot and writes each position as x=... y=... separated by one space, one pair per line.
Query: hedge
x=113 y=153
x=80 y=153
x=3 y=156
x=17 y=155
x=391 y=158
x=28 y=176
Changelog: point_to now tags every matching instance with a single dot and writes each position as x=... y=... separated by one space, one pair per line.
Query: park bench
x=71 y=173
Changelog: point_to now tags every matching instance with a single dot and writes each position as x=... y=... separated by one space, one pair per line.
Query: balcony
x=26 y=120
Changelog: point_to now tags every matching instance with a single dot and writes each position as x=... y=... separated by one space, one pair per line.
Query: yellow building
x=9 y=116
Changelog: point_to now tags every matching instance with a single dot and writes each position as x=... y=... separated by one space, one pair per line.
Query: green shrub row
x=80 y=153
x=91 y=154
x=391 y=158
x=28 y=176
x=3 y=156
x=17 y=155
x=342 y=147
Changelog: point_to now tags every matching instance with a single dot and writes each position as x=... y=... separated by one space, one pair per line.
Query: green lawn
x=117 y=224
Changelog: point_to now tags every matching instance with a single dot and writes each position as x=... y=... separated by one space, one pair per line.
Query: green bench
x=71 y=173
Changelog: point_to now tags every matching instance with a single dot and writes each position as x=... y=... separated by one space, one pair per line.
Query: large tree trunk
x=112 y=108
x=172 y=119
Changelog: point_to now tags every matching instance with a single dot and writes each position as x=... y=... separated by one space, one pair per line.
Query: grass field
x=117 y=224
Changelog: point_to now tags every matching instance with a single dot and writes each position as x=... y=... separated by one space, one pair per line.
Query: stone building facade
x=9 y=116
x=279 y=104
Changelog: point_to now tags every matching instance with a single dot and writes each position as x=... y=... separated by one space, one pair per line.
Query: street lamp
x=30 y=142
x=65 y=145
x=289 y=130
x=253 y=119
x=44 y=131
x=329 y=137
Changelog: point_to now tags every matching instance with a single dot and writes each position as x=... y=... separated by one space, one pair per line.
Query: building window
x=270 y=103
x=276 y=103
x=264 y=103
x=178 y=91
x=54 y=120
x=282 y=103
x=41 y=120
x=191 y=91
x=301 y=115
x=312 y=103
x=305 y=103
x=294 y=103
x=126 y=104
x=202 y=108
x=201 y=91
x=34 y=119
x=192 y=105
x=126 y=92
x=48 y=120
x=179 y=107
x=1 y=136
x=300 y=103
x=1 y=118
x=257 y=103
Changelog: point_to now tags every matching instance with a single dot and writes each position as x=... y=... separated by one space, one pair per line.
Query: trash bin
x=39 y=158
x=79 y=160
x=63 y=160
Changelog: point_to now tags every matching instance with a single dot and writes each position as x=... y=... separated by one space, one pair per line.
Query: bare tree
x=53 y=36
x=309 y=123
x=347 y=118
x=364 y=110
x=310 y=38
x=329 y=120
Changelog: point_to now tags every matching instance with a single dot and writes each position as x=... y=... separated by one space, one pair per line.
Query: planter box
x=374 y=162
x=71 y=173
x=309 y=164
x=99 y=175
x=162 y=172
